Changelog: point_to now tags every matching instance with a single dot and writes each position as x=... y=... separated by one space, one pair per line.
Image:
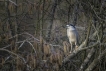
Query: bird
x=73 y=36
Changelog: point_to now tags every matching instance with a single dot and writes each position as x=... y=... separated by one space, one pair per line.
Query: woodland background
x=33 y=35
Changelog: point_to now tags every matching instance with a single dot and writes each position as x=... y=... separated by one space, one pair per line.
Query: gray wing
x=77 y=38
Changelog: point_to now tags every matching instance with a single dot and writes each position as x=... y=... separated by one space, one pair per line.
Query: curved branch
x=86 y=61
x=75 y=52
x=1 y=49
x=96 y=61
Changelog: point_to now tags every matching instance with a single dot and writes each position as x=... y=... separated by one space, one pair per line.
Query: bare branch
x=13 y=2
x=82 y=67
x=32 y=46
x=96 y=61
x=75 y=52
x=1 y=49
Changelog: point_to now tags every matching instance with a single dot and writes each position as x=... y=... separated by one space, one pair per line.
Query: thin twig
x=86 y=61
x=13 y=2
x=32 y=46
x=96 y=13
x=1 y=49
x=95 y=61
x=21 y=44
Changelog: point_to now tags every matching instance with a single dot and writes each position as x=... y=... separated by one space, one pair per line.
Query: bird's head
x=71 y=27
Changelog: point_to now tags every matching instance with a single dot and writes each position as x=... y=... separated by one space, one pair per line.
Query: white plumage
x=72 y=36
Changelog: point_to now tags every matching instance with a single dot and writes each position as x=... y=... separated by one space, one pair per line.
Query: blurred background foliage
x=33 y=34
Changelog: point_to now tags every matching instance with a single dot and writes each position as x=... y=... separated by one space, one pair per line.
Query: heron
x=73 y=36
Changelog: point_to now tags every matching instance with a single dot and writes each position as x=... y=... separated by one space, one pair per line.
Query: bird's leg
x=71 y=48
x=76 y=46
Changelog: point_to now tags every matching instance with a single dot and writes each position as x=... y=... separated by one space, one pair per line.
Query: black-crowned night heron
x=72 y=36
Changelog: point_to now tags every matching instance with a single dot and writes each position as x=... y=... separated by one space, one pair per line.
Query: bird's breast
x=71 y=35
